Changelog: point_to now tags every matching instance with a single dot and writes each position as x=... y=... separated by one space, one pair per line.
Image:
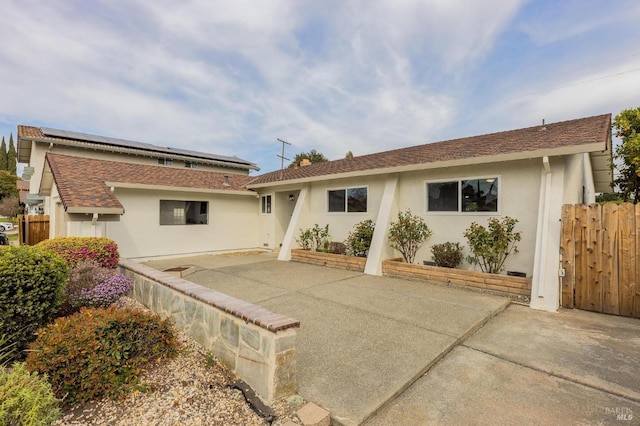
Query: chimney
x=305 y=162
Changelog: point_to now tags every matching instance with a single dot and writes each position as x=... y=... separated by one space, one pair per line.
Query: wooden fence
x=600 y=249
x=33 y=229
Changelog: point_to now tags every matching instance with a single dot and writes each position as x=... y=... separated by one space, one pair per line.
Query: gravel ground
x=191 y=389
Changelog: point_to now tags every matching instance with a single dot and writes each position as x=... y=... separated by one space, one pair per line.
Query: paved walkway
x=366 y=342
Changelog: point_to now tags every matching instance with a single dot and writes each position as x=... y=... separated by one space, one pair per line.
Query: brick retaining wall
x=351 y=263
x=504 y=284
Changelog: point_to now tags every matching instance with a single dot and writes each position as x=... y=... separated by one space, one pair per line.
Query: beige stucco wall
x=573 y=179
x=232 y=225
x=519 y=191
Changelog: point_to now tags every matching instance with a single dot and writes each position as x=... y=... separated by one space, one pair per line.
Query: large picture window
x=469 y=195
x=350 y=200
x=174 y=212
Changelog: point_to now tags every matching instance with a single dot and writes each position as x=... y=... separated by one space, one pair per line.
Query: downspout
x=542 y=235
x=94 y=219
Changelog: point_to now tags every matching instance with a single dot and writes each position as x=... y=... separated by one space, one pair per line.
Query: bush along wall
x=75 y=250
x=32 y=283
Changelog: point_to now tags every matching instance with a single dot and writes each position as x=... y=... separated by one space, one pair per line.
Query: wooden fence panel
x=600 y=248
x=610 y=299
x=33 y=229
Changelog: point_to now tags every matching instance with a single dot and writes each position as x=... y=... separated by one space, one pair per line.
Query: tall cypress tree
x=11 y=157
x=3 y=155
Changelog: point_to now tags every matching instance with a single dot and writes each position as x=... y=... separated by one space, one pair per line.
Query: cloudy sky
x=362 y=75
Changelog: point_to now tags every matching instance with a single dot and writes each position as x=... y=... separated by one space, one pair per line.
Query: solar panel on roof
x=66 y=134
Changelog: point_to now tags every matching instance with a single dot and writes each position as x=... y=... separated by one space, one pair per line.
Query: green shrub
x=31 y=290
x=492 y=245
x=407 y=234
x=75 y=250
x=99 y=353
x=314 y=239
x=447 y=255
x=26 y=398
x=359 y=240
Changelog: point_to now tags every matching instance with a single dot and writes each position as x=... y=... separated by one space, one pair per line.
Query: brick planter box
x=331 y=260
x=503 y=284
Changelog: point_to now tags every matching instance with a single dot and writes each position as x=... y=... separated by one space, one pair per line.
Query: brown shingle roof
x=81 y=182
x=591 y=130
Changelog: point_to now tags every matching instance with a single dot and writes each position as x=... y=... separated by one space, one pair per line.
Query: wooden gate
x=33 y=229
x=600 y=250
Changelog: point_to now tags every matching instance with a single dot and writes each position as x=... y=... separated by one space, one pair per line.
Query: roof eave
x=129 y=185
x=95 y=210
x=521 y=155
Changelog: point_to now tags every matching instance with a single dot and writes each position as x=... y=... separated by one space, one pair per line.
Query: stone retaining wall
x=256 y=344
x=351 y=263
x=503 y=284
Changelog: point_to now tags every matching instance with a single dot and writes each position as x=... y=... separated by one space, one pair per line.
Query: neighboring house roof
x=23 y=189
x=590 y=134
x=26 y=134
x=84 y=184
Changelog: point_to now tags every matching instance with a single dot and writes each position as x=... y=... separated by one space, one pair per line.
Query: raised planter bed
x=504 y=284
x=331 y=260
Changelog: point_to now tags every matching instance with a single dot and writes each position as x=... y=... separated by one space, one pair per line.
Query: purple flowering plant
x=106 y=292
x=91 y=285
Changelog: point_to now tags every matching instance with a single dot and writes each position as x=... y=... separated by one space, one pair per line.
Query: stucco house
x=527 y=174
x=153 y=203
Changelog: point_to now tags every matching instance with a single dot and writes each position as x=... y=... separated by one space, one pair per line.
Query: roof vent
x=226 y=181
x=543 y=126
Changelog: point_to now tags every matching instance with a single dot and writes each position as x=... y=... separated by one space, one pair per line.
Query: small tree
x=9 y=206
x=407 y=234
x=313 y=156
x=359 y=240
x=492 y=245
x=11 y=157
x=626 y=125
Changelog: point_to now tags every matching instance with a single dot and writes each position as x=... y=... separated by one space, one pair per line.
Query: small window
x=265 y=202
x=165 y=161
x=174 y=212
x=470 y=195
x=190 y=165
x=442 y=196
x=350 y=200
x=480 y=195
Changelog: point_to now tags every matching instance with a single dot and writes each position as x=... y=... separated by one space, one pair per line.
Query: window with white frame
x=265 y=204
x=463 y=195
x=349 y=200
x=174 y=212
x=165 y=161
x=190 y=165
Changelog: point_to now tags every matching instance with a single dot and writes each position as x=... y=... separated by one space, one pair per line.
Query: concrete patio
x=365 y=344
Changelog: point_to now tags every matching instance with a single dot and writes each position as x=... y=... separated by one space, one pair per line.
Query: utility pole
x=282 y=157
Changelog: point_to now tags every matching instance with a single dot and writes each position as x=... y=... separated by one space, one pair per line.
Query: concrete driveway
x=366 y=342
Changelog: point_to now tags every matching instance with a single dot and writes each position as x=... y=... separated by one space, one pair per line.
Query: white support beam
x=374 y=259
x=287 y=243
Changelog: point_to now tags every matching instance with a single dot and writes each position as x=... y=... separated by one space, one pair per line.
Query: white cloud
x=231 y=77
